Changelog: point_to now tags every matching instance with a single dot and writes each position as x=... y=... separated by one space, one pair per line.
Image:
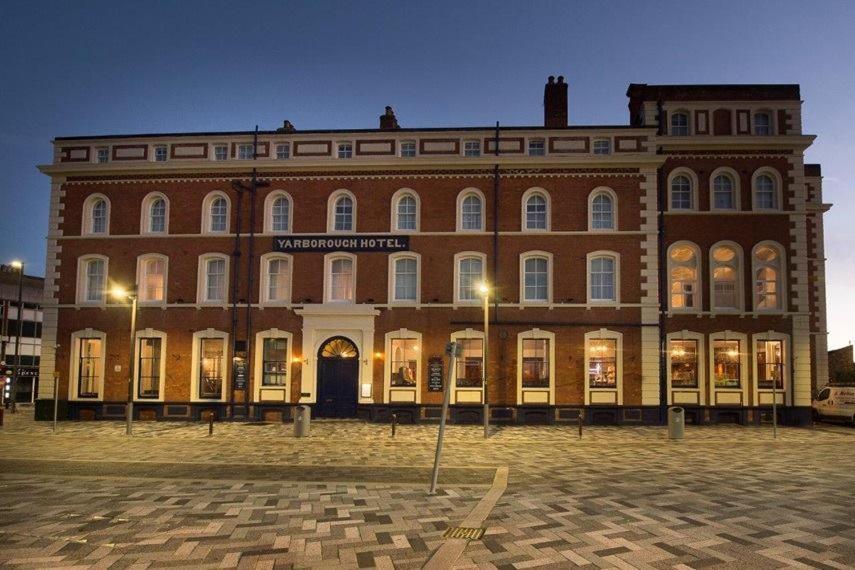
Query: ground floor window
x=726 y=364
x=274 y=362
x=684 y=363
x=404 y=361
x=88 y=367
x=535 y=363
x=470 y=365
x=148 y=367
x=212 y=351
x=770 y=364
x=602 y=363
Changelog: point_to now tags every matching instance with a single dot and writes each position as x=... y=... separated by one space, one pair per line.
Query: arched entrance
x=338 y=379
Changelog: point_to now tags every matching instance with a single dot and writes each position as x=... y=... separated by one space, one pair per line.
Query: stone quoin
x=676 y=259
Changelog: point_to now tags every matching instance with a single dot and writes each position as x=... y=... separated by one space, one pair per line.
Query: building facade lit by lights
x=676 y=259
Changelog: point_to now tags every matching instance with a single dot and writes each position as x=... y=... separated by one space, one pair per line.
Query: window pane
x=679 y=124
x=681 y=193
x=341 y=280
x=603 y=279
x=535 y=363
x=766 y=288
x=602 y=363
x=278 y=277
x=405 y=279
x=602 y=213
x=408 y=149
x=766 y=195
x=536 y=148
x=602 y=147
x=762 y=124
x=157 y=218
x=726 y=362
x=218 y=215
x=535 y=213
x=274 y=362
x=283 y=151
x=148 y=375
x=723 y=194
x=88 y=367
x=99 y=217
x=536 y=279
x=403 y=361
x=211 y=352
x=280 y=214
x=343 y=214
x=153 y=280
x=95 y=280
x=406 y=213
x=470 y=275
x=770 y=364
x=684 y=363
x=216 y=280
x=470 y=364
x=471 y=213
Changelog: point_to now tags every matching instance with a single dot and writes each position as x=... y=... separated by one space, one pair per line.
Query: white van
x=835 y=402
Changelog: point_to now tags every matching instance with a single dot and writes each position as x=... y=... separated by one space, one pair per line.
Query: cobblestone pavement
x=253 y=496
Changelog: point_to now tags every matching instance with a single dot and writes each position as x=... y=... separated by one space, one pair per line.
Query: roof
x=709 y=92
x=813 y=170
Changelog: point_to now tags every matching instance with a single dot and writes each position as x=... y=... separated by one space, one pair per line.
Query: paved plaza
x=351 y=496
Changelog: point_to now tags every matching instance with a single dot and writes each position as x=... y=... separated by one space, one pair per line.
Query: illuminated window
x=89 y=367
x=274 y=362
x=727 y=363
x=683 y=271
x=767 y=278
x=470 y=364
x=535 y=363
x=148 y=367
x=152 y=279
x=403 y=361
x=602 y=363
x=684 y=363
x=341 y=280
x=770 y=364
x=725 y=274
x=211 y=373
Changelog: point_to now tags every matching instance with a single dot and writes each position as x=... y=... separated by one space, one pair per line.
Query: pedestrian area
x=353 y=496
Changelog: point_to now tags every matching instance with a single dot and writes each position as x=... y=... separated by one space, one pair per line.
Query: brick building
x=676 y=259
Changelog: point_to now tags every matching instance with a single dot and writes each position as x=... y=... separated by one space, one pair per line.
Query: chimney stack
x=555 y=103
x=388 y=121
x=287 y=127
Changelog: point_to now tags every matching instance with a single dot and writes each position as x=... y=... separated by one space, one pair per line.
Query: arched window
x=405 y=211
x=683 y=284
x=535 y=210
x=277 y=212
x=682 y=192
x=602 y=210
x=155 y=214
x=766 y=190
x=342 y=212
x=215 y=213
x=469 y=270
x=726 y=271
x=96 y=215
x=341 y=277
x=92 y=279
x=768 y=266
x=724 y=192
x=603 y=277
x=151 y=276
x=470 y=211
x=158 y=216
x=680 y=124
x=762 y=123
x=535 y=285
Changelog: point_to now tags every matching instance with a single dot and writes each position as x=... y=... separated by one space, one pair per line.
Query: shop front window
x=770 y=364
x=684 y=363
x=88 y=367
x=602 y=363
x=470 y=365
x=275 y=362
x=726 y=364
x=535 y=363
x=212 y=351
x=148 y=382
x=404 y=361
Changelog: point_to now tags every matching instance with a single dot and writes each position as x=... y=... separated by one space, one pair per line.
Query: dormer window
x=160 y=153
x=345 y=150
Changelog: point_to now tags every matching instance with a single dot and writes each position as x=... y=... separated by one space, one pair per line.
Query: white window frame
x=410 y=395
x=145 y=217
x=740 y=276
x=461 y=196
x=779 y=188
x=698 y=266
x=264 y=279
x=542 y=396
x=339 y=148
x=603 y=191
x=472 y=392
x=396 y=197
x=608 y=142
x=742 y=391
x=74 y=369
x=415 y=149
x=594 y=395
x=689 y=125
x=458 y=257
x=287 y=153
x=206 y=213
x=476 y=146
x=157 y=147
x=536 y=254
x=693 y=182
x=331 y=203
x=271 y=393
x=196 y=359
x=698 y=394
x=536 y=140
x=241 y=147
x=269 y=200
x=782 y=277
x=214 y=152
x=140 y=275
x=83 y=282
x=328 y=260
x=534 y=191
x=202 y=280
x=150 y=333
x=737 y=193
x=88 y=205
x=393 y=258
x=785 y=394
x=589 y=258
x=771 y=116
x=97 y=154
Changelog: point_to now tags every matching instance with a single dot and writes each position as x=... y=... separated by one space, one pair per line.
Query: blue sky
x=93 y=67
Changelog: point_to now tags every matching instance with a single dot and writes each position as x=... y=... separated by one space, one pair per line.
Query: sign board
x=435 y=374
x=326 y=243
x=239 y=368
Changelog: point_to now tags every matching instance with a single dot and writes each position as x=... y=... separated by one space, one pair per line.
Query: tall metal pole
x=55 y=396
x=486 y=363
x=18 y=336
x=129 y=409
x=453 y=350
x=775 y=394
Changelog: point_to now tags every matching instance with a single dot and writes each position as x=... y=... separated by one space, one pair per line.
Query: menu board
x=435 y=374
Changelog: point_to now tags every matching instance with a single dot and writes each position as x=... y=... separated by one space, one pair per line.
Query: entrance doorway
x=338 y=379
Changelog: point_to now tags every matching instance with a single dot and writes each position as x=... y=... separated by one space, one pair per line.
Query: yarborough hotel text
x=676 y=259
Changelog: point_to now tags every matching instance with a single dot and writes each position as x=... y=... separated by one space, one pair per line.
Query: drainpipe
x=661 y=193
x=235 y=291
x=250 y=270
x=496 y=228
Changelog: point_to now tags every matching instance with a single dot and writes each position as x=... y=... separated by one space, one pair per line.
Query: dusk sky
x=88 y=68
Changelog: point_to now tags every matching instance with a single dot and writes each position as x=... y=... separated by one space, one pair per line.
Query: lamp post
x=19 y=265
x=484 y=289
x=129 y=408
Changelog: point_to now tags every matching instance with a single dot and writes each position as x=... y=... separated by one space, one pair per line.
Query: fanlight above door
x=339 y=348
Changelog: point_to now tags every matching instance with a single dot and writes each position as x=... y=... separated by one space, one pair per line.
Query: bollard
x=580 y=426
x=394 y=423
x=211 y=425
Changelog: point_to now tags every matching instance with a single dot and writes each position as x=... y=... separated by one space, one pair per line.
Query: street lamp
x=484 y=289
x=19 y=265
x=121 y=293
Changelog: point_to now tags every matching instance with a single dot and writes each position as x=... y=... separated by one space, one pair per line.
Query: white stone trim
x=737 y=189
x=543 y=193
x=145 y=214
x=402 y=192
x=462 y=195
x=331 y=203
x=206 y=213
x=268 y=212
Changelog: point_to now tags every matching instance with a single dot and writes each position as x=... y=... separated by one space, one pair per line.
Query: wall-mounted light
x=378 y=355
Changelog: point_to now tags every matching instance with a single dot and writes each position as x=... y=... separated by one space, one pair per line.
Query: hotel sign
x=325 y=243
